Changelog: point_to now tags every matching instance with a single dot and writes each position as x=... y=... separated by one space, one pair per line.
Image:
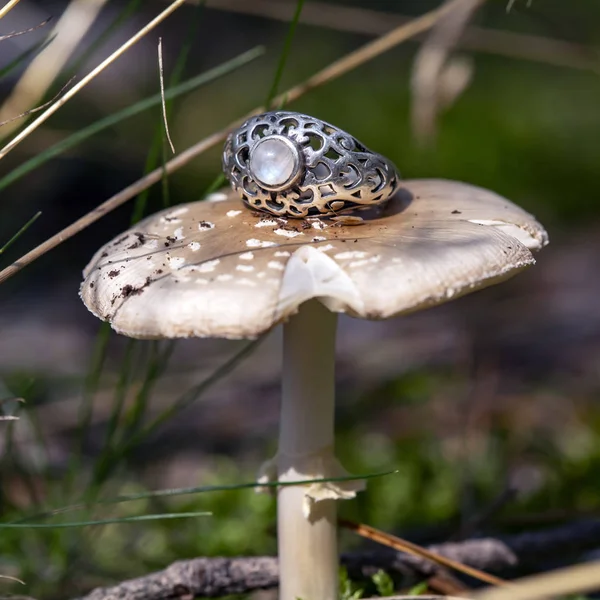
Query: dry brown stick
x=402 y=545
x=222 y=576
x=367 y=21
x=334 y=70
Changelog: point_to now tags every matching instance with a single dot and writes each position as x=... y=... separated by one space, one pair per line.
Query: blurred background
x=493 y=396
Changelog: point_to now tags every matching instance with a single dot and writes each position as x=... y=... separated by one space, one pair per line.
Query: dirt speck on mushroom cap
x=216 y=269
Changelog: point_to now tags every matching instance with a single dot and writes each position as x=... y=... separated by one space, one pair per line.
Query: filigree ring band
x=293 y=165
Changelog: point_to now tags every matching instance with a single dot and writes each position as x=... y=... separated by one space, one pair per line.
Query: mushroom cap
x=216 y=269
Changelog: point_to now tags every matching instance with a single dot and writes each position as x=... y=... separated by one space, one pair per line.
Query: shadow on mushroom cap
x=217 y=269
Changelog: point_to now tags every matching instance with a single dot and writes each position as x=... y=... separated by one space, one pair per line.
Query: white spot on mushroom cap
x=171 y=216
x=246 y=256
x=365 y=261
x=176 y=262
x=224 y=277
x=275 y=264
x=247 y=282
x=319 y=238
x=178 y=233
x=246 y=268
x=150 y=244
x=182 y=210
x=194 y=246
x=216 y=197
x=282 y=253
x=350 y=254
x=325 y=248
x=287 y=232
x=254 y=243
x=205 y=225
x=233 y=213
x=266 y=223
x=208 y=266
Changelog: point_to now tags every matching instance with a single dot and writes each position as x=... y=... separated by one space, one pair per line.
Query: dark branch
x=211 y=577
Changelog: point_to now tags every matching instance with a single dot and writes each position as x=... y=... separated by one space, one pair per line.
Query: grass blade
x=204 y=489
x=287 y=46
x=158 y=517
x=158 y=141
x=87 y=405
x=19 y=60
x=157 y=365
x=19 y=233
x=115 y=456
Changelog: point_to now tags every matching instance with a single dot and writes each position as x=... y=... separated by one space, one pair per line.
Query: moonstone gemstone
x=272 y=162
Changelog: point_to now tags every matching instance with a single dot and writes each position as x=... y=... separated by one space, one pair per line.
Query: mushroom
x=218 y=269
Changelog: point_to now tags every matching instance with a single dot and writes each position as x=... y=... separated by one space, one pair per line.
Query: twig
x=223 y=576
x=402 y=545
x=162 y=94
x=128 y=44
x=334 y=70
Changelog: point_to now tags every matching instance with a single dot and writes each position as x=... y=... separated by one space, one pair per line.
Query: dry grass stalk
x=8 y=7
x=162 y=93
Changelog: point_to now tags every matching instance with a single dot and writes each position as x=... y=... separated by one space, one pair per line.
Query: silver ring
x=293 y=165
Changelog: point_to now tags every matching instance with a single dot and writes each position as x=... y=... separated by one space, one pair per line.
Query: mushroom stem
x=307 y=532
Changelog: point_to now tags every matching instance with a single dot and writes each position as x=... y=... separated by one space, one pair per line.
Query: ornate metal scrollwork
x=322 y=170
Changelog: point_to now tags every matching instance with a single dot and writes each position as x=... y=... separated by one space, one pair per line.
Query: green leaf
x=284 y=55
x=383 y=583
x=197 y=490
x=348 y=589
x=419 y=589
x=19 y=233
